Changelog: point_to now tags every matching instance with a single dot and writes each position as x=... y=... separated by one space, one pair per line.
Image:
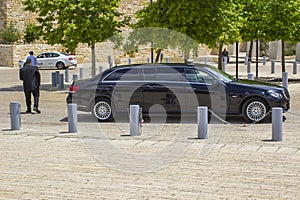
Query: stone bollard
x=272 y=67
x=61 y=82
x=72 y=118
x=134 y=120
x=295 y=67
x=53 y=78
x=100 y=69
x=202 y=121
x=277 y=124
x=67 y=75
x=285 y=80
x=15 y=117
x=80 y=73
x=250 y=76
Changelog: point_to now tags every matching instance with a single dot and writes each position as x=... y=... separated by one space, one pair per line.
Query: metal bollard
x=53 y=78
x=277 y=124
x=285 y=80
x=15 y=117
x=295 y=68
x=202 y=120
x=148 y=60
x=75 y=77
x=109 y=60
x=72 y=118
x=61 y=82
x=67 y=75
x=250 y=76
x=264 y=60
x=167 y=60
x=81 y=73
x=134 y=120
x=272 y=67
x=129 y=61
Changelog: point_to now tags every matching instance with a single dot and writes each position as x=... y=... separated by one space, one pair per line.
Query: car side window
x=53 y=55
x=197 y=76
x=124 y=75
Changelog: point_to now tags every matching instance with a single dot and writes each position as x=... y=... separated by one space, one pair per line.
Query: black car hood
x=257 y=84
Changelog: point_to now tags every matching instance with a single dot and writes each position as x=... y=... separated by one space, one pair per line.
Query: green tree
x=10 y=34
x=210 y=22
x=70 y=22
x=283 y=23
x=31 y=32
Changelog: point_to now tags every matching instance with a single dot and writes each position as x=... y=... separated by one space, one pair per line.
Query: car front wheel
x=255 y=110
x=102 y=110
x=60 y=65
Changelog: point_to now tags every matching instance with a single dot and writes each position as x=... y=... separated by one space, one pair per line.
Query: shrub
x=31 y=32
x=10 y=34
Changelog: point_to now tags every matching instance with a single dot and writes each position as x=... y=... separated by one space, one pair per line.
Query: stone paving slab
x=44 y=161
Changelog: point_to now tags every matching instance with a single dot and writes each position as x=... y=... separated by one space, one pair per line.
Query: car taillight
x=70 y=58
x=74 y=88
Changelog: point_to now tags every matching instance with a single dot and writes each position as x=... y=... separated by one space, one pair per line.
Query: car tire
x=60 y=65
x=102 y=110
x=255 y=110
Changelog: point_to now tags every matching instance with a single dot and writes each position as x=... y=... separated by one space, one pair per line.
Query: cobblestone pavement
x=238 y=161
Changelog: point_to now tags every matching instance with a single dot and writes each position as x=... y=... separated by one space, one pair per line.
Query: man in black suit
x=31 y=78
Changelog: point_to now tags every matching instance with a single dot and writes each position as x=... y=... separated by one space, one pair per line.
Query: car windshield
x=220 y=74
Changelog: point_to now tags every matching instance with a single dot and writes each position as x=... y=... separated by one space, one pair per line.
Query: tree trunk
x=250 y=51
x=282 y=55
x=220 y=56
x=93 y=59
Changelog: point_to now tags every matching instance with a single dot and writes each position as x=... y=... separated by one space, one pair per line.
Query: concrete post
x=272 y=67
x=67 y=75
x=61 y=82
x=134 y=120
x=53 y=78
x=250 y=76
x=295 y=67
x=100 y=69
x=80 y=73
x=264 y=60
x=285 y=79
x=202 y=121
x=57 y=77
x=72 y=118
x=277 y=124
x=15 y=117
x=249 y=67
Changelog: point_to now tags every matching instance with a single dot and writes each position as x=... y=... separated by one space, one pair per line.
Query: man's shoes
x=37 y=110
x=28 y=111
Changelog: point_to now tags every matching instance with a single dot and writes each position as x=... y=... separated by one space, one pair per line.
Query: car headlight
x=275 y=94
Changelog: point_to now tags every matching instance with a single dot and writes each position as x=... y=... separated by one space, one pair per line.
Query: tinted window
x=162 y=73
x=55 y=55
x=195 y=75
x=124 y=75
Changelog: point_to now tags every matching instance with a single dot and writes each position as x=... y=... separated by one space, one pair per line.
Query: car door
x=163 y=90
x=52 y=59
x=122 y=86
x=198 y=89
x=41 y=60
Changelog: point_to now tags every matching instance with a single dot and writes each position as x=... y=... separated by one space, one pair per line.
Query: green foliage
x=31 y=32
x=70 y=22
x=10 y=34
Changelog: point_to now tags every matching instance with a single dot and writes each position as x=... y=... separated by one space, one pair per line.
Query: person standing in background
x=32 y=58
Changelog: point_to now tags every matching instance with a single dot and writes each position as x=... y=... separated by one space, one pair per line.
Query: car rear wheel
x=60 y=65
x=102 y=110
x=255 y=110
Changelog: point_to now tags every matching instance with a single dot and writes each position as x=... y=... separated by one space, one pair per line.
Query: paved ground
x=238 y=161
